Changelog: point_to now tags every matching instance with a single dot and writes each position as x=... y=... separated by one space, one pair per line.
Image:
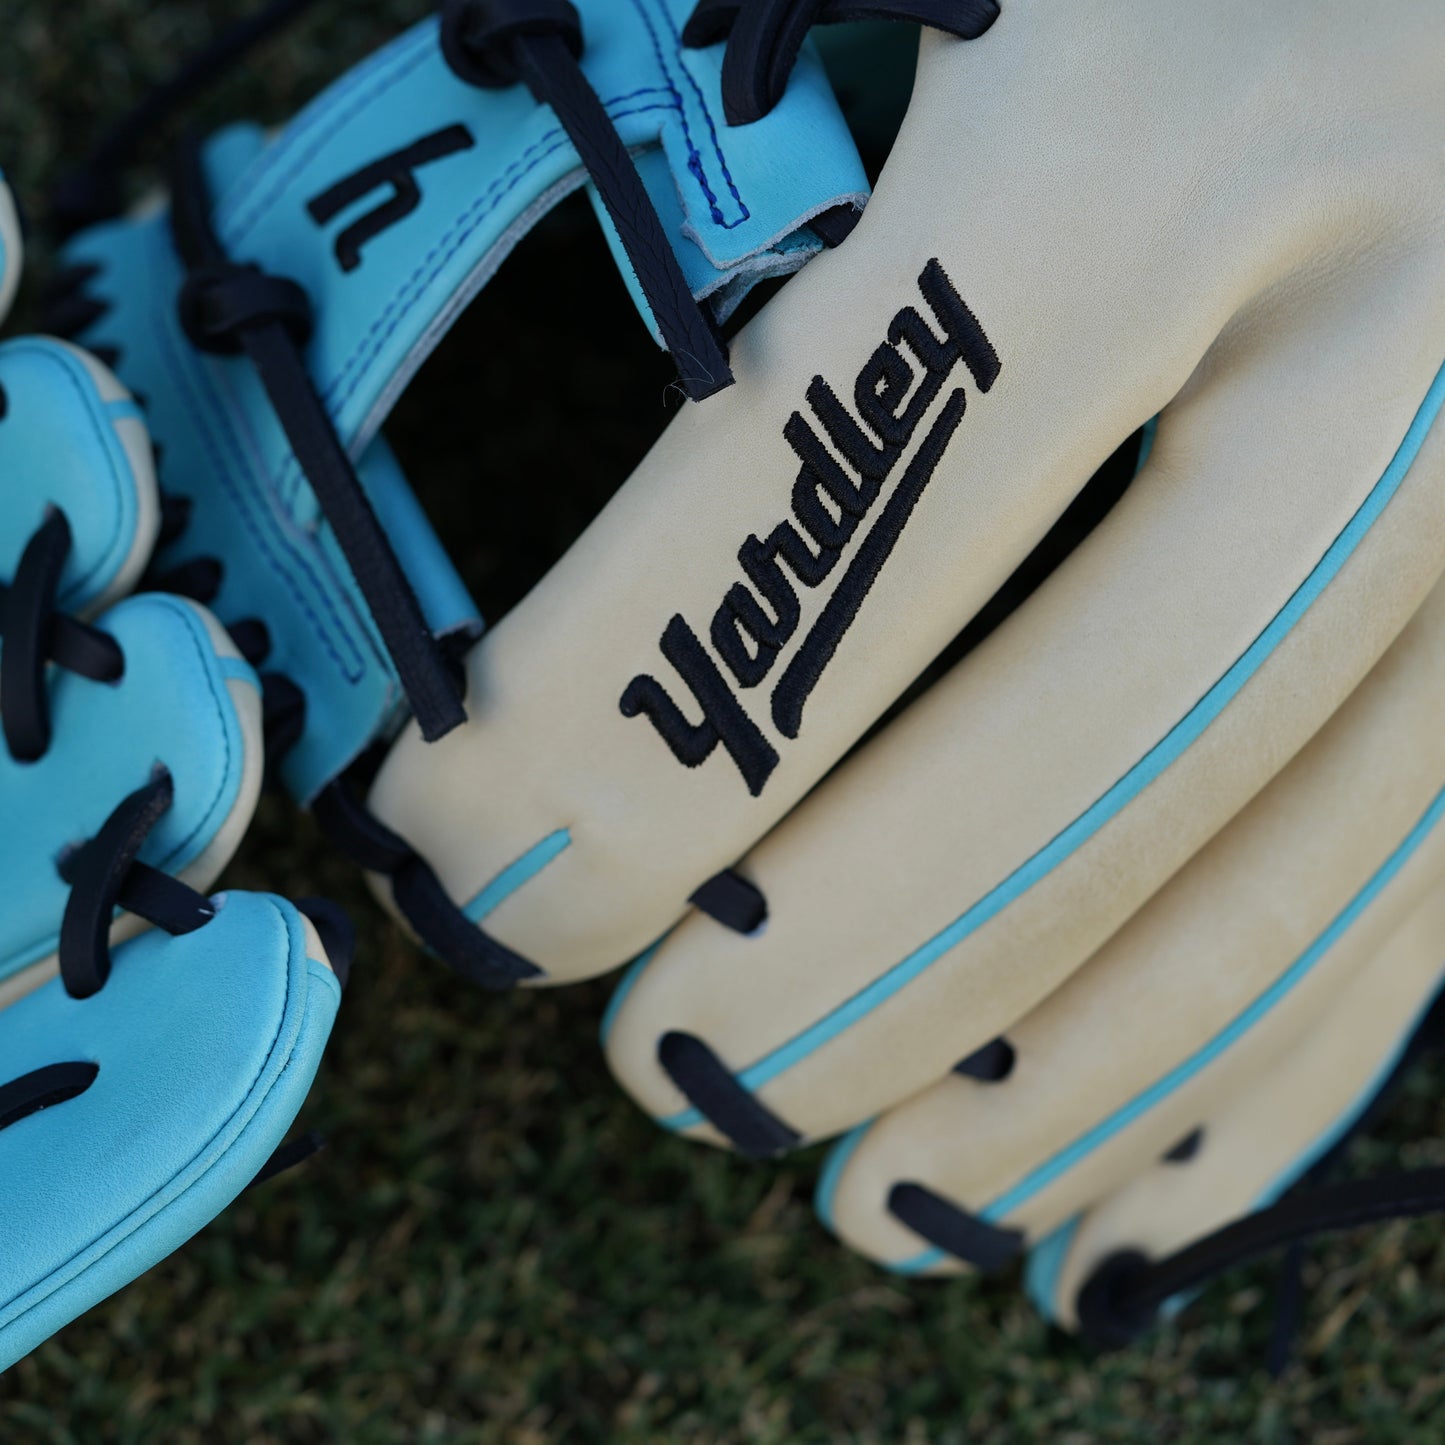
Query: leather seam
x=65 y=366
x=135 y=1228
x=443 y=250
x=224 y=453
x=696 y=167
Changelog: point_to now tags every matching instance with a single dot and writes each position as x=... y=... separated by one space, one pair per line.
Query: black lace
x=104 y=872
x=1125 y=1294
x=231 y=308
x=228 y=308
x=36 y=634
x=764 y=38
x=497 y=43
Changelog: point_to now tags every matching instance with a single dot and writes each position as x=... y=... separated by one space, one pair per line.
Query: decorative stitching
x=403 y=64
x=390 y=70
x=694 y=164
x=185 y=381
x=450 y=243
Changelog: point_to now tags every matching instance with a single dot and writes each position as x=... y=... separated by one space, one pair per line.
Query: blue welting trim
x=619 y=994
x=1146 y=443
x=1045 y=1264
x=239 y=670
x=919 y=1263
x=832 y=1172
x=1347 y=1120
x=125 y=409
x=1069 y=1157
x=1145 y=771
x=514 y=875
x=375 y=76
x=1327 y=1140
x=833 y=1167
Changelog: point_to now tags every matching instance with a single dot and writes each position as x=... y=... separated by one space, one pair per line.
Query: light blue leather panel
x=207 y=1045
x=171 y=707
x=59 y=446
x=736 y=200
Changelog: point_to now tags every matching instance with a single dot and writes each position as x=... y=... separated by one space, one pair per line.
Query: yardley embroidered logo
x=758 y=618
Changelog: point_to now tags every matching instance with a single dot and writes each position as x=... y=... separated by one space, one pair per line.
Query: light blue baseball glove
x=1001 y=712
x=155 y=1043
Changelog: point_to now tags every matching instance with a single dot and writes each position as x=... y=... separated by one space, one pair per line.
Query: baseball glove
x=1004 y=705
x=155 y=1044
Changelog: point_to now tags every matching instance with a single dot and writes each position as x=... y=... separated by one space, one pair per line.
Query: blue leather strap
x=391 y=200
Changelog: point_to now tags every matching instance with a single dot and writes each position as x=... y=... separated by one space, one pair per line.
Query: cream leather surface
x=1116 y=822
x=1291 y=1111
x=1243 y=934
x=1217 y=234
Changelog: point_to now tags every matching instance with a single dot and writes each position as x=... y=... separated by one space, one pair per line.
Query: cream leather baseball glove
x=1105 y=936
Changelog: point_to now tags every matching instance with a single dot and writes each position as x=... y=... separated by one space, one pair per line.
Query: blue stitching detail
x=388 y=71
x=397 y=68
x=473 y=217
x=184 y=384
x=1161 y=756
x=518 y=872
x=694 y=161
x=352 y=373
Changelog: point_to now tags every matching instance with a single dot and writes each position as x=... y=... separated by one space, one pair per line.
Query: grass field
x=496 y=1246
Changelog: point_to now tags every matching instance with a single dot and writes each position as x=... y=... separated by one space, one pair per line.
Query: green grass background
x=497 y=1246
